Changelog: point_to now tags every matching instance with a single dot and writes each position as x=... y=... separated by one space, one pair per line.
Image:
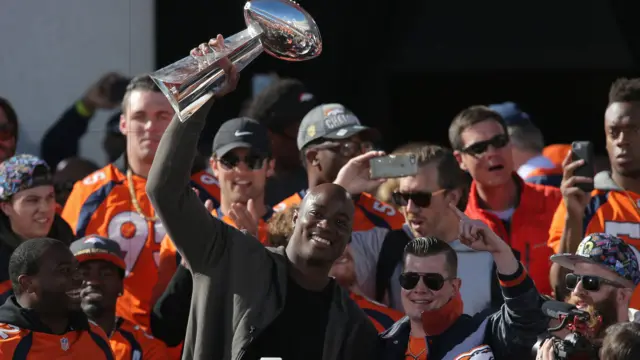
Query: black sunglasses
x=479 y=148
x=420 y=198
x=589 y=282
x=432 y=281
x=253 y=161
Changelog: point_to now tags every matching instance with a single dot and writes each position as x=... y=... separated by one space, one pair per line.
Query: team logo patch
x=311 y=131
x=94 y=240
x=64 y=344
x=480 y=353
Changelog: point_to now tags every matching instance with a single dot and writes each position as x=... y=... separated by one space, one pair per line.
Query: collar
x=524 y=201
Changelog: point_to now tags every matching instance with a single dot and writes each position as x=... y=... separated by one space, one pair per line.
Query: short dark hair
x=430 y=246
x=450 y=176
x=26 y=259
x=622 y=342
x=469 y=117
x=625 y=90
x=10 y=112
x=526 y=136
x=140 y=82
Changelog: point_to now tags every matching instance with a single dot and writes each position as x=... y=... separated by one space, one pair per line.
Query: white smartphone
x=393 y=166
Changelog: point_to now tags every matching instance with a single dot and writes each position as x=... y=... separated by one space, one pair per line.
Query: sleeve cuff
x=515 y=284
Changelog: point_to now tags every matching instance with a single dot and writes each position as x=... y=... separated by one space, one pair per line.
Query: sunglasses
x=420 y=199
x=432 y=281
x=347 y=149
x=7 y=132
x=253 y=161
x=590 y=283
x=479 y=148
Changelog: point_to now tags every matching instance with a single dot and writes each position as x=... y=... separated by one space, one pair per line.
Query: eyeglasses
x=479 y=148
x=347 y=149
x=253 y=161
x=432 y=281
x=7 y=132
x=589 y=282
x=420 y=198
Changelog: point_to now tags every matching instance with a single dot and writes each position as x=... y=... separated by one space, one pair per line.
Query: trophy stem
x=190 y=82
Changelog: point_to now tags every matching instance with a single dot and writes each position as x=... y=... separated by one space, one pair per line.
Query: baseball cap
x=282 y=103
x=241 y=132
x=330 y=121
x=22 y=172
x=606 y=250
x=94 y=247
x=511 y=113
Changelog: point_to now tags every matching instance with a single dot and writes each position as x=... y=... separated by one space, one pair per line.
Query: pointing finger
x=458 y=213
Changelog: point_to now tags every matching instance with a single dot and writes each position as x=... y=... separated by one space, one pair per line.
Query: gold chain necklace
x=134 y=200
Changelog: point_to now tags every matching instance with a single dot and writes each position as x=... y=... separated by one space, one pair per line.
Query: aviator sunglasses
x=432 y=281
x=253 y=161
x=479 y=148
x=589 y=282
x=419 y=198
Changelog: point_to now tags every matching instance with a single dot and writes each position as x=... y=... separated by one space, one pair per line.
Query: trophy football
x=281 y=28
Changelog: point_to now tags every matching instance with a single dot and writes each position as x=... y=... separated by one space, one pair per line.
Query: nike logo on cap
x=242 y=133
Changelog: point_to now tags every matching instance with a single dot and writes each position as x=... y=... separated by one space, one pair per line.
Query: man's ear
x=271 y=168
x=294 y=218
x=123 y=124
x=312 y=157
x=214 y=166
x=26 y=284
x=5 y=206
x=453 y=196
x=458 y=156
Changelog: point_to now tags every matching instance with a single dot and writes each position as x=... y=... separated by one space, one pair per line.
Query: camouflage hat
x=22 y=172
x=606 y=250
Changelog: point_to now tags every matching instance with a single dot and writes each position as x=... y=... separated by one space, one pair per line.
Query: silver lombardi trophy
x=281 y=28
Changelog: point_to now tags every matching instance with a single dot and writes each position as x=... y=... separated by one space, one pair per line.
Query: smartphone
x=583 y=150
x=117 y=90
x=393 y=166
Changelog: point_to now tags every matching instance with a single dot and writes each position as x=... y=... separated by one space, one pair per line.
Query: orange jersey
x=370 y=212
x=527 y=228
x=170 y=259
x=380 y=315
x=609 y=211
x=101 y=204
x=130 y=342
x=17 y=343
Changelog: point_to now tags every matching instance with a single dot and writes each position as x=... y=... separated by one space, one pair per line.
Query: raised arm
x=199 y=237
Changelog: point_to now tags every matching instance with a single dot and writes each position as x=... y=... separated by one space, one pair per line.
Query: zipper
x=252 y=329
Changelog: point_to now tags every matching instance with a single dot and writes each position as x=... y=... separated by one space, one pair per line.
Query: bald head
x=329 y=191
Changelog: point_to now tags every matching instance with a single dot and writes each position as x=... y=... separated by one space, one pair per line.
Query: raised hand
x=354 y=175
x=203 y=53
x=477 y=235
x=574 y=198
x=246 y=217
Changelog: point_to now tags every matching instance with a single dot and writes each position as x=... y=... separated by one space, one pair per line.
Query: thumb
x=252 y=209
x=208 y=205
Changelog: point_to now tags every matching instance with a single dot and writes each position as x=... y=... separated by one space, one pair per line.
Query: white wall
x=51 y=51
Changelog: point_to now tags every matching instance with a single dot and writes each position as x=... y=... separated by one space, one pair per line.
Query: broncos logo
x=479 y=353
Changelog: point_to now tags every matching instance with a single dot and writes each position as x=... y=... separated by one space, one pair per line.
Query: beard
x=606 y=309
x=94 y=310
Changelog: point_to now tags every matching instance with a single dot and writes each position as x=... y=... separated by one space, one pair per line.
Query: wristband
x=82 y=109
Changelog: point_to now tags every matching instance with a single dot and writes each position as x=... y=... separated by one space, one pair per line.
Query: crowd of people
x=277 y=243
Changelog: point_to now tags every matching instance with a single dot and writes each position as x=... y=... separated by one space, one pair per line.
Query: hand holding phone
x=393 y=166
x=583 y=150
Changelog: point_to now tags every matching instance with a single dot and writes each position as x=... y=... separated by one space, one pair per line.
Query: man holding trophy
x=249 y=301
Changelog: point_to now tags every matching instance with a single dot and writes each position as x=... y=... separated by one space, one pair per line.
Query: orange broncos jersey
x=130 y=342
x=380 y=315
x=17 y=343
x=609 y=211
x=101 y=204
x=370 y=213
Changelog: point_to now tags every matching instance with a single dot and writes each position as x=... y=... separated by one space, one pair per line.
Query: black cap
x=94 y=247
x=241 y=132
